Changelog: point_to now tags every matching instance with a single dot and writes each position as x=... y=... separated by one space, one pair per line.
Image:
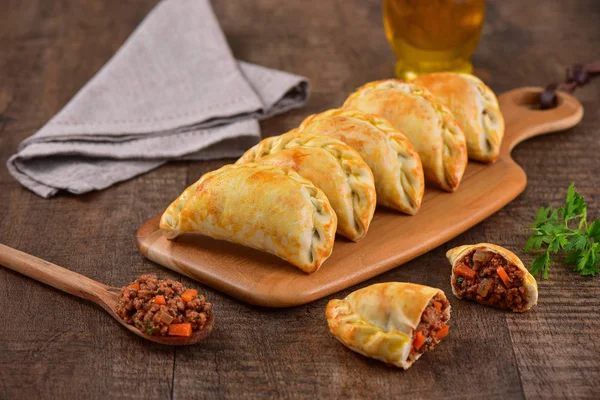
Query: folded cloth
x=172 y=91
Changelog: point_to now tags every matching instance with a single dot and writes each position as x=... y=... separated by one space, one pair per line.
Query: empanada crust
x=330 y=165
x=378 y=321
x=475 y=108
x=260 y=206
x=428 y=125
x=396 y=166
x=458 y=253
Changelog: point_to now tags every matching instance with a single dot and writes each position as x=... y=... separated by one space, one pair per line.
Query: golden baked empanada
x=335 y=168
x=260 y=206
x=392 y=322
x=475 y=108
x=395 y=163
x=492 y=275
x=427 y=124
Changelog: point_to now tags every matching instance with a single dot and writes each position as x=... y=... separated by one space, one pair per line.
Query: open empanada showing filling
x=493 y=276
x=396 y=166
x=393 y=322
x=332 y=166
x=475 y=108
x=260 y=206
x=429 y=126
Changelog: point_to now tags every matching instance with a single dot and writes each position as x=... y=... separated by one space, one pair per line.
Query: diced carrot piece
x=463 y=270
x=160 y=300
x=442 y=332
x=184 y=329
x=135 y=286
x=437 y=305
x=189 y=295
x=419 y=340
x=503 y=275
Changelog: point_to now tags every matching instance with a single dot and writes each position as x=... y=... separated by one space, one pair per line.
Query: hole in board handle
x=531 y=99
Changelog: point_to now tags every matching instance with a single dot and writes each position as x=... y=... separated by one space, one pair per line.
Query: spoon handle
x=51 y=274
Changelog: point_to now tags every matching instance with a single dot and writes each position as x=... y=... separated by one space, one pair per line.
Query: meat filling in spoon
x=162 y=311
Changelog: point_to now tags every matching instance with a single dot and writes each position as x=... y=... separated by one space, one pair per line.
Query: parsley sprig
x=553 y=232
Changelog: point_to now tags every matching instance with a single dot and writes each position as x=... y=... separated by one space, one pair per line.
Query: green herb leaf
x=534 y=242
x=575 y=206
x=587 y=264
x=552 y=234
x=554 y=245
x=542 y=215
x=541 y=265
x=571 y=258
x=577 y=243
x=594 y=230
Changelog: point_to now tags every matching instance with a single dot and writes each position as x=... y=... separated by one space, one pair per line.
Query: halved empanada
x=492 y=275
x=427 y=124
x=475 y=108
x=335 y=168
x=260 y=206
x=392 y=322
x=395 y=163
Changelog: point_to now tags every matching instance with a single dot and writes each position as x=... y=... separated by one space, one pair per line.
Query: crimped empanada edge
x=413 y=194
x=453 y=172
x=321 y=206
x=335 y=322
x=170 y=219
x=362 y=215
x=493 y=136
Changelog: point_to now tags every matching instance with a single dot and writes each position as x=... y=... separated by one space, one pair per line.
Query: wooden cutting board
x=393 y=238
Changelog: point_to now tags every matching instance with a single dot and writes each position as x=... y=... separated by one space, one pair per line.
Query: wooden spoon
x=73 y=283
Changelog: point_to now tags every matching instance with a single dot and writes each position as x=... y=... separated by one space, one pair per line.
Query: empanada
x=260 y=206
x=493 y=276
x=427 y=124
x=392 y=322
x=395 y=163
x=335 y=168
x=475 y=108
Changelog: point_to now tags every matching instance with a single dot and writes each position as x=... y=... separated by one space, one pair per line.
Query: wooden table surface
x=53 y=345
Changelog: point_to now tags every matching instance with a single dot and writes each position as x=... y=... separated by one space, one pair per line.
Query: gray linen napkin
x=172 y=91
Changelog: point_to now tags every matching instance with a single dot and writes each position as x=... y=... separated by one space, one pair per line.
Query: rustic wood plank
x=73 y=347
x=49 y=49
x=556 y=346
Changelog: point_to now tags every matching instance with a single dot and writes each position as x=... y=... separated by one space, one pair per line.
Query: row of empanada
x=445 y=116
x=357 y=159
x=289 y=194
x=255 y=204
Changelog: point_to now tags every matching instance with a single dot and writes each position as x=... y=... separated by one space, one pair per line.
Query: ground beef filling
x=490 y=279
x=432 y=328
x=162 y=307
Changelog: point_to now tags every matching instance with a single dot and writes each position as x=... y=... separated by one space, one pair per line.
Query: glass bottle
x=433 y=35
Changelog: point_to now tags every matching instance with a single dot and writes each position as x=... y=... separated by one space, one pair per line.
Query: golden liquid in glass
x=433 y=35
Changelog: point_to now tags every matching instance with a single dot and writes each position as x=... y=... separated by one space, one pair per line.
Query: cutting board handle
x=524 y=119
